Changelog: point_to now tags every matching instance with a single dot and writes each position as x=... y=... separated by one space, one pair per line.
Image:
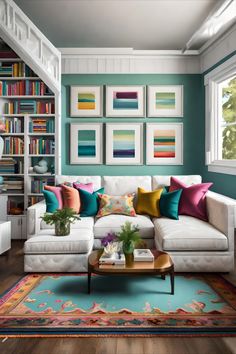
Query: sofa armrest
x=222 y=215
x=33 y=218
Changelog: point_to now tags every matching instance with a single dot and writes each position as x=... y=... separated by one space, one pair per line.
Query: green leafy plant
x=61 y=218
x=129 y=235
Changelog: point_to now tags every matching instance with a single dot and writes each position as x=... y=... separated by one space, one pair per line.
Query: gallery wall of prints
x=123 y=143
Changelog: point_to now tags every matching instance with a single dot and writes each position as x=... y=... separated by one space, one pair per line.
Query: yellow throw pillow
x=148 y=202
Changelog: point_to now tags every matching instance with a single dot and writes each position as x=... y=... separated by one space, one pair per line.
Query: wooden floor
x=11 y=270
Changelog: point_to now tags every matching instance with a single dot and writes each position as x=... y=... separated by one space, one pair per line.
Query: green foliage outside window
x=229 y=117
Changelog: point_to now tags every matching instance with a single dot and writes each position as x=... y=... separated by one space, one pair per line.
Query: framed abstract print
x=164 y=144
x=86 y=143
x=165 y=101
x=125 y=101
x=124 y=143
x=86 y=101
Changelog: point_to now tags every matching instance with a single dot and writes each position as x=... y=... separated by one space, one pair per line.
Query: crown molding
x=128 y=61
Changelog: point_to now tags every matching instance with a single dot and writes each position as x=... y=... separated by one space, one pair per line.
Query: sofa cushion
x=148 y=202
x=113 y=223
x=121 y=185
x=83 y=223
x=96 y=180
x=162 y=181
x=188 y=233
x=79 y=241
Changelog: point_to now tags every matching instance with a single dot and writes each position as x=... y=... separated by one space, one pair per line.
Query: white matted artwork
x=86 y=101
x=86 y=143
x=125 y=101
x=165 y=101
x=124 y=143
x=164 y=144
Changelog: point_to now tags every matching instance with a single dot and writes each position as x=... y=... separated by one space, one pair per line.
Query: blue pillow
x=51 y=201
x=169 y=204
x=89 y=202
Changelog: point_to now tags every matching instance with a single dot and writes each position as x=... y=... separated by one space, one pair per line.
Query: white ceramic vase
x=1 y=146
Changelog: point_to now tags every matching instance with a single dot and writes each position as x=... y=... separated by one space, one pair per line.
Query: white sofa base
x=56 y=262
x=203 y=262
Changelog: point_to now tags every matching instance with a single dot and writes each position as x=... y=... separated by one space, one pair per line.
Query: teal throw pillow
x=51 y=201
x=169 y=204
x=89 y=202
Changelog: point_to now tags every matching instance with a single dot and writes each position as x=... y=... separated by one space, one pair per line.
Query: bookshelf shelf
x=41 y=134
x=10 y=60
x=15 y=155
x=12 y=174
x=18 y=78
x=41 y=175
x=35 y=194
x=40 y=155
x=28 y=97
x=12 y=134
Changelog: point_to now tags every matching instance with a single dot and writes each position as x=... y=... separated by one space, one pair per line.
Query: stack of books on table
x=112 y=259
x=143 y=255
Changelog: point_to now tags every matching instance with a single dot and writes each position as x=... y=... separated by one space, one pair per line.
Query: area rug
x=58 y=304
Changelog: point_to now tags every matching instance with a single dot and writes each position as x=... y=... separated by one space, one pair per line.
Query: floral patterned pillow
x=110 y=204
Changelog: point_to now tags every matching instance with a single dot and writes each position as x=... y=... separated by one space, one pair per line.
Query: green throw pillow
x=169 y=204
x=89 y=202
x=51 y=201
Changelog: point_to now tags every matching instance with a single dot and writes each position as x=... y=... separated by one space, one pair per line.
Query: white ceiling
x=138 y=24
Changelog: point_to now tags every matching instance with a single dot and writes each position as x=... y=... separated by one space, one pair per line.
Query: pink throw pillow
x=58 y=193
x=88 y=187
x=193 y=198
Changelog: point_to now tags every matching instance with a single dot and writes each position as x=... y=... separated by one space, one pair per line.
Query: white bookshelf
x=29 y=160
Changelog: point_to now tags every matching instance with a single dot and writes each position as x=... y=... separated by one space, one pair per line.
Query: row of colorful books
x=16 y=70
x=24 y=87
x=37 y=185
x=13 y=125
x=42 y=126
x=29 y=107
x=33 y=200
x=13 y=145
x=39 y=146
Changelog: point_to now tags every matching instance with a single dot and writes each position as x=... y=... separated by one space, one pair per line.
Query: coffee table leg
x=89 y=282
x=163 y=276
x=172 y=282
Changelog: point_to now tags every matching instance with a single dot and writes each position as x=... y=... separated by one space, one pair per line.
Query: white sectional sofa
x=195 y=245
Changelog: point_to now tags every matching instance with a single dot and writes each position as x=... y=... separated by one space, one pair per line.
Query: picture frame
x=86 y=143
x=165 y=101
x=164 y=144
x=124 y=143
x=126 y=101
x=86 y=101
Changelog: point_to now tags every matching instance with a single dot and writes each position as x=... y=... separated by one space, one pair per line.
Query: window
x=220 y=86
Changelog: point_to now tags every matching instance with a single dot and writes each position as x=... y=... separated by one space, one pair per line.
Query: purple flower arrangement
x=110 y=237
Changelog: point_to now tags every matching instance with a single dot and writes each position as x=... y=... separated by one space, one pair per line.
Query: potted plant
x=129 y=235
x=61 y=218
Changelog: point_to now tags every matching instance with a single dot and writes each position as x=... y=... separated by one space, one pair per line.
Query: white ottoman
x=49 y=253
x=5 y=236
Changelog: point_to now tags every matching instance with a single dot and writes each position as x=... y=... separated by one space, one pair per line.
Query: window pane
x=228 y=91
x=229 y=142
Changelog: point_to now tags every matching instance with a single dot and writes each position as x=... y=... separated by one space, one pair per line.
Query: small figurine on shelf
x=41 y=167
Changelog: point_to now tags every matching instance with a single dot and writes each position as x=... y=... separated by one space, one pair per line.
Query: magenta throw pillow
x=88 y=187
x=193 y=198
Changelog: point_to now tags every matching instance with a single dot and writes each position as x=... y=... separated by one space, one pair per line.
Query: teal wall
x=193 y=122
x=223 y=183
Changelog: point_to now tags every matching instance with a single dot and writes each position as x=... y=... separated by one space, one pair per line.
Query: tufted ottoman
x=50 y=253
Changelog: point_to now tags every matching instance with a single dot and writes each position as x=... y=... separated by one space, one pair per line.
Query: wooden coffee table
x=162 y=265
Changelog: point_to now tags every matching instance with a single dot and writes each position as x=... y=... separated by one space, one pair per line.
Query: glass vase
x=62 y=228
x=128 y=249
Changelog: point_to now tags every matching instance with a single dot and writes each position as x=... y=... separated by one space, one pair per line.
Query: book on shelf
x=39 y=146
x=37 y=185
x=24 y=87
x=29 y=107
x=34 y=199
x=7 y=165
x=112 y=259
x=143 y=255
x=42 y=126
x=13 y=145
x=11 y=185
x=17 y=69
x=13 y=125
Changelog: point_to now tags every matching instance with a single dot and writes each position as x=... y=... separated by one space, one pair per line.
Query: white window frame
x=212 y=136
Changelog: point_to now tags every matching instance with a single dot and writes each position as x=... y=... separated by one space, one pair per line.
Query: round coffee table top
x=162 y=263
